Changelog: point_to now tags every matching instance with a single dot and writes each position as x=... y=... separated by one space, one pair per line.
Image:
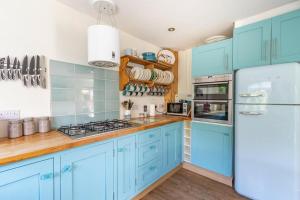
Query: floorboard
x=186 y=185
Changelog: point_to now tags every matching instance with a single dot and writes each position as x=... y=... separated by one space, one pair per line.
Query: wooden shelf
x=157 y=65
x=124 y=79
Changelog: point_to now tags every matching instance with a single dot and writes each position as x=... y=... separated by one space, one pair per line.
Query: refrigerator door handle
x=250 y=113
x=251 y=95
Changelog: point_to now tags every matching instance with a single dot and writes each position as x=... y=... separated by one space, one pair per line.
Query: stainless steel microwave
x=182 y=109
x=212 y=100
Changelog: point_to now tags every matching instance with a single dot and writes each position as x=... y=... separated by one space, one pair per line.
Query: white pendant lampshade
x=103 y=39
x=103 y=46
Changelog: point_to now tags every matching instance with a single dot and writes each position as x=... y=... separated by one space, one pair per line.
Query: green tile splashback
x=81 y=94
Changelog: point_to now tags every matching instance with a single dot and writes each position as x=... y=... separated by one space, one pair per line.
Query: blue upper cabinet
x=251 y=45
x=212 y=147
x=88 y=173
x=28 y=182
x=172 y=143
x=126 y=167
x=286 y=38
x=212 y=59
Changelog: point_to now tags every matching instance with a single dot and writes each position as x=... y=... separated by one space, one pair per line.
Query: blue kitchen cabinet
x=126 y=167
x=286 y=38
x=149 y=160
x=212 y=59
x=252 y=45
x=172 y=146
x=34 y=181
x=212 y=147
x=88 y=173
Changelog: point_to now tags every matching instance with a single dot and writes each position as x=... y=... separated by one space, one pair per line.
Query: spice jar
x=43 y=124
x=28 y=126
x=15 y=128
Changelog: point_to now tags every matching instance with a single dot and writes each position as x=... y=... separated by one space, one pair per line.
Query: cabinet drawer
x=148 y=174
x=149 y=136
x=149 y=152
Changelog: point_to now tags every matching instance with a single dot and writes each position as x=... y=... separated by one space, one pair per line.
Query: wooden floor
x=190 y=186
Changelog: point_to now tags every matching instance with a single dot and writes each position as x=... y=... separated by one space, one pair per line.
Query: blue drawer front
x=149 y=152
x=149 y=136
x=149 y=173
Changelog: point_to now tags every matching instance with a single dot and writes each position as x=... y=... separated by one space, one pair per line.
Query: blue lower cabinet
x=149 y=152
x=29 y=182
x=126 y=167
x=212 y=147
x=172 y=143
x=148 y=174
x=88 y=173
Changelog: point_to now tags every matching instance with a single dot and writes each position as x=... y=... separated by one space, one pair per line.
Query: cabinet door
x=252 y=44
x=212 y=147
x=126 y=167
x=30 y=182
x=87 y=173
x=212 y=59
x=286 y=38
x=172 y=146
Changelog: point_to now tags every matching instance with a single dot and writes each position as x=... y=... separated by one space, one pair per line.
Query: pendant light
x=103 y=38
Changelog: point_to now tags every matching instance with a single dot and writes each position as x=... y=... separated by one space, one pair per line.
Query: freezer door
x=275 y=84
x=267 y=151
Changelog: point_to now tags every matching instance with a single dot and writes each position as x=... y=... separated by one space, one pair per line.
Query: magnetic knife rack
x=32 y=70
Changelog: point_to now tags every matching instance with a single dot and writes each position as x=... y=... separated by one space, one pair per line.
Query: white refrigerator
x=267 y=132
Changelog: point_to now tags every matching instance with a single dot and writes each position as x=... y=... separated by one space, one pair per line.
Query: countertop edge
x=70 y=143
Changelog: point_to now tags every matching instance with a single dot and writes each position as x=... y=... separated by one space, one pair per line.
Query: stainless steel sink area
x=147 y=120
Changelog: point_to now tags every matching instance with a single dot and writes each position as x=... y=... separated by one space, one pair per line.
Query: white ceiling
x=194 y=20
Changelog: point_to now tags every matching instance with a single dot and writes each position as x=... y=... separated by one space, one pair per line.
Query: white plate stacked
x=163 y=77
x=140 y=74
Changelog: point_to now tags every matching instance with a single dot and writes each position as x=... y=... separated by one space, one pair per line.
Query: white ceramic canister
x=44 y=124
x=15 y=128
x=28 y=126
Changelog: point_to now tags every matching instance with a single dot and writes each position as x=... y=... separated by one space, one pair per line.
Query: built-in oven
x=212 y=100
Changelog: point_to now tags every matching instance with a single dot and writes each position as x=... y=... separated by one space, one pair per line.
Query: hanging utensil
x=43 y=72
x=19 y=70
x=8 y=69
x=14 y=70
x=31 y=80
x=38 y=71
x=25 y=71
x=2 y=61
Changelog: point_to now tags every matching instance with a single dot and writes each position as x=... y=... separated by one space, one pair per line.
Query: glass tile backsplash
x=81 y=94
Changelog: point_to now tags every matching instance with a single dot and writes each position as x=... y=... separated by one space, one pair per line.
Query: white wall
x=47 y=28
x=268 y=14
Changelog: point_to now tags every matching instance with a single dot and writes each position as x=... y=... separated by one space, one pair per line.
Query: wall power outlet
x=9 y=114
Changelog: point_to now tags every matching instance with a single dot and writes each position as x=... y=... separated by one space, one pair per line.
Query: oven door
x=212 y=91
x=213 y=111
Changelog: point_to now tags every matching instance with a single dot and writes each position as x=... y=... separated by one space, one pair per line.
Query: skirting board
x=157 y=183
x=209 y=174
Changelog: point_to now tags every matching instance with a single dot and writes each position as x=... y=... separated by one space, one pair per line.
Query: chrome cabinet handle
x=251 y=95
x=151 y=136
x=47 y=176
x=121 y=149
x=226 y=61
x=152 y=147
x=66 y=169
x=152 y=168
x=250 y=113
x=276 y=49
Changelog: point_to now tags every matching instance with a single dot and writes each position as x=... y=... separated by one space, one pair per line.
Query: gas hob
x=95 y=128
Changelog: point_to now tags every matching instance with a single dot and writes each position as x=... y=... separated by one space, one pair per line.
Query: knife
x=14 y=70
x=2 y=60
x=32 y=72
x=19 y=70
x=25 y=70
x=6 y=71
x=38 y=71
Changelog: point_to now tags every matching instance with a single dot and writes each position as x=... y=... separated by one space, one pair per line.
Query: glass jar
x=15 y=128
x=28 y=126
x=43 y=124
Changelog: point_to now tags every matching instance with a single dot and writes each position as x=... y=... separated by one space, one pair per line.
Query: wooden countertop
x=13 y=150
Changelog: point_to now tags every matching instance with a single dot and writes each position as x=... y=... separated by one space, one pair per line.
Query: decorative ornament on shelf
x=166 y=56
